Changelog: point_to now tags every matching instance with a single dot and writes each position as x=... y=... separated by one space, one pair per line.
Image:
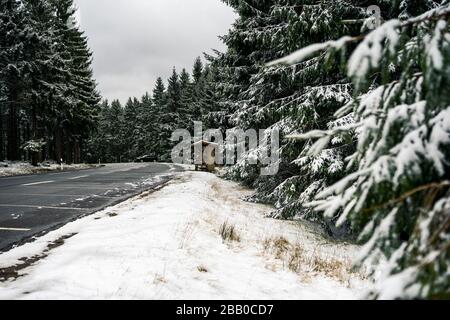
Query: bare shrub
x=277 y=246
x=297 y=259
x=202 y=269
x=228 y=232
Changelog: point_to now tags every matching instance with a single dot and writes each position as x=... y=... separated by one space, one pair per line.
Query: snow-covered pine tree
x=173 y=94
x=197 y=70
x=115 y=121
x=99 y=142
x=83 y=97
x=209 y=107
x=206 y=96
x=45 y=85
x=148 y=139
x=186 y=101
x=198 y=87
x=241 y=60
x=162 y=118
x=130 y=129
x=301 y=97
x=397 y=198
x=159 y=95
x=44 y=77
x=169 y=116
x=12 y=66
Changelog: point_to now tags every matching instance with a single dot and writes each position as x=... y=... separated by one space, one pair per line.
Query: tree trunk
x=34 y=158
x=28 y=138
x=13 y=146
x=69 y=146
x=69 y=149
x=76 y=151
x=2 y=141
x=58 y=143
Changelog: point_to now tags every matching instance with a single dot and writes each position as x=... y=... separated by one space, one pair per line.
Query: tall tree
x=160 y=118
x=291 y=98
x=197 y=70
x=397 y=199
x=83 y=97
x=47 y=86
x=47 y=92
x=173 y=93
x=186 y=101
x=115 y=120
x=147 y=118
x=12 y=68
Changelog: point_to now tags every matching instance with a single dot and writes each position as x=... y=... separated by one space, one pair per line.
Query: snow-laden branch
x=385 y=30
x=302 y=54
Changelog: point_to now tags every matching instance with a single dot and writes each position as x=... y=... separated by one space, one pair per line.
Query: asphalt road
x=35 y=204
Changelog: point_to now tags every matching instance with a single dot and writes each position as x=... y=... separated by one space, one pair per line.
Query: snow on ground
x=167 y=245
x=8 y=168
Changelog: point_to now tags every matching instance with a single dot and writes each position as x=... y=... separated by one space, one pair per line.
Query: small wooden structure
x=208 y=157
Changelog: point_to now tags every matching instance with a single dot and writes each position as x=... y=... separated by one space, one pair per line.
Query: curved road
x=35 y=204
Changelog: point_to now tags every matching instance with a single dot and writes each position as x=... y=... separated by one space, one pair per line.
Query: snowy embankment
x=169 y=245
x=8 y=169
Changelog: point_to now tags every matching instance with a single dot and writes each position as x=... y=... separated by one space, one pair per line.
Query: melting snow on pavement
x=168 y=245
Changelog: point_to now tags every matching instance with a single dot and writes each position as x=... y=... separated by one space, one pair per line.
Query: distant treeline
x=144 y=126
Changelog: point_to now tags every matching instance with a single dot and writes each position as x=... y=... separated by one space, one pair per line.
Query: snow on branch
x=308 y=51
x=388 y=30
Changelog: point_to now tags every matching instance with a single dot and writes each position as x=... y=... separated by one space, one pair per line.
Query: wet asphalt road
x=35 y=204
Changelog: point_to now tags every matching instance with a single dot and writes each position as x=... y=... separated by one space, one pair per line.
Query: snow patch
x=167 y=245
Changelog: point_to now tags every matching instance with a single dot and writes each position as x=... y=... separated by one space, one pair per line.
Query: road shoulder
x=194 y=239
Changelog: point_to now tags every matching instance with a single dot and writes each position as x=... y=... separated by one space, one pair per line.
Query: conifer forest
x=359 y=91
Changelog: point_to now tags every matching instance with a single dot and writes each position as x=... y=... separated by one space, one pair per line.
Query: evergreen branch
x=445 y=225
x=253 y=8
x=409 y=194
x=302 y=54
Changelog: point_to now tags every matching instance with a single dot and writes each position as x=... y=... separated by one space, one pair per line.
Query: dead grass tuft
x=228 y=232
x=307 y=263
x=202 y=269
x=277 y=246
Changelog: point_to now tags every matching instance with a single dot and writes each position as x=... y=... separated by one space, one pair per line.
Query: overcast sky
x=135 y=41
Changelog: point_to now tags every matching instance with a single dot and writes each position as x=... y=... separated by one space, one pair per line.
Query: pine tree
x=198 y=91
x=130 y=129
x=115 y=120
x=197 y=70
x=99 y=143
x=83 y=97
x=12 y=67
x=46 y=78
x=302 y=96
x=173 y=94
x=397 y=195
x=159 y=100
x=169 y=116
x=147 y=119
x=209 y=107
x=45 y=81
x=186 y=101
x=159 y=94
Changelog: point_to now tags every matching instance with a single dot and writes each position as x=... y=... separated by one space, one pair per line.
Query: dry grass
x=202 y=269
x=277 y=246
x=307 y=263
x=187 y=233
x=228 y=232
x=159 y=279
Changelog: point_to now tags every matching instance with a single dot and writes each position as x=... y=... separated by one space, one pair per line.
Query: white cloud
x=135 y=41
